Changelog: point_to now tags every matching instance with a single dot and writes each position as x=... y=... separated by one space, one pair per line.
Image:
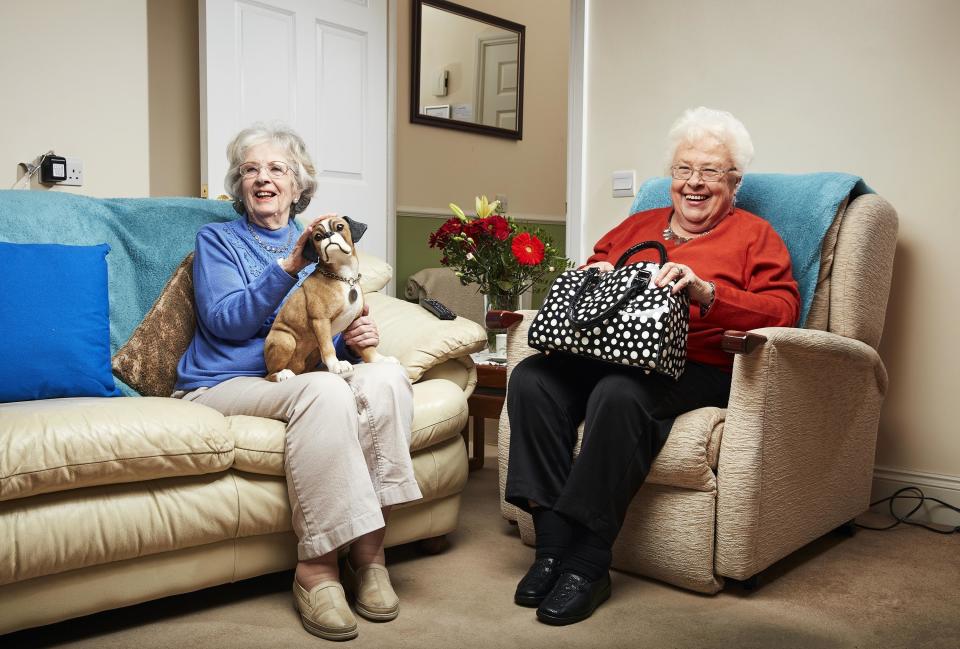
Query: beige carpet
x=877 y=589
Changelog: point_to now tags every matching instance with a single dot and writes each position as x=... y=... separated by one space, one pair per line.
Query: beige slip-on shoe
x=375 y=597
x=324 y=611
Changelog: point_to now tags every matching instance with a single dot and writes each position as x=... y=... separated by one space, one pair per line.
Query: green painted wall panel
x=414 y=254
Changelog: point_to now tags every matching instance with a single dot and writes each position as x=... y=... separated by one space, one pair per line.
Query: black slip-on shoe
x=573 y=599
x=538 y=582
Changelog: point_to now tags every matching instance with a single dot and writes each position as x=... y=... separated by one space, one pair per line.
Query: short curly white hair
x=695 y=123
x=297 y=157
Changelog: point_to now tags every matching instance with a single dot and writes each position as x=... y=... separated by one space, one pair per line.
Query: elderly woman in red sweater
x=737 y=273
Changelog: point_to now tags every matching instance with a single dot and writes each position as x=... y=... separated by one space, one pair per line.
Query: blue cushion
x=54 y=322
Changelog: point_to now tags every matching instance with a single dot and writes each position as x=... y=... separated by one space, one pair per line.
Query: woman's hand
x=700 y=291
x=602 y=266
x=362 y=332
x=295 y=261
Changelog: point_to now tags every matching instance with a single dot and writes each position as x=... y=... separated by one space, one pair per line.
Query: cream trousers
x=347 y=449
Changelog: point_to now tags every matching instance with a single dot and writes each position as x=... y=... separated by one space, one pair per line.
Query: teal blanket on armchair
x=148 y=239
x=799 y=207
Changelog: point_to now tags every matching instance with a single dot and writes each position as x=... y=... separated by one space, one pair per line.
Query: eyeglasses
x=708 y=174
x=275 y=169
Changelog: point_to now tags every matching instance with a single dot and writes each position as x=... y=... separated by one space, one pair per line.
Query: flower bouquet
x=491 y=250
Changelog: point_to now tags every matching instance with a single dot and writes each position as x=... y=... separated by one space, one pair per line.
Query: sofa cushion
x=56 y=322
x=375 y=273
x=147 y=362
x=68 y=530
x=258 y=444
x=62 y=444
x=439 y=413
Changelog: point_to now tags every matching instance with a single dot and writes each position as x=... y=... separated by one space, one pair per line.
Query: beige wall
x=437 y=166
x=75 y=81
x=112 y=82
x=864 y=86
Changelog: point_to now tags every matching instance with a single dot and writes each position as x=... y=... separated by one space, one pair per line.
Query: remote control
x=437 y=308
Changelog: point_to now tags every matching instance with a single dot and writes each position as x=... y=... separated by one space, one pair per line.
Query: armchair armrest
x=741 y=342
x=417 y=338
x=502 y=319
x=517 y=350
x=796 y=459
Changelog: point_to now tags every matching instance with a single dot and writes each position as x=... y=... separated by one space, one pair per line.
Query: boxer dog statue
x=327 y=302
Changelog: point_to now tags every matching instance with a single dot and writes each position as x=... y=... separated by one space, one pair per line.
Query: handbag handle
x=591 y=279
x=644 y=245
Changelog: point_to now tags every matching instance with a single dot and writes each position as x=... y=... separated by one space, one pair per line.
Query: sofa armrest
x=417 y=338
x=796 y=459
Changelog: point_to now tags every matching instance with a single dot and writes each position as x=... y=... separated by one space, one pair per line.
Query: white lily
x=485 y=208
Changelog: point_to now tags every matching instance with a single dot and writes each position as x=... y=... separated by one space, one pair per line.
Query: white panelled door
x=497 y=82
x=319 y=66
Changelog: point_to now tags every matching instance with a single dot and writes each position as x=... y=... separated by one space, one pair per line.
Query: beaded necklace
x=272 y=249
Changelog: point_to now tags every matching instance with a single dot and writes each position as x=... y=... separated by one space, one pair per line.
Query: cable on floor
x=921 y=499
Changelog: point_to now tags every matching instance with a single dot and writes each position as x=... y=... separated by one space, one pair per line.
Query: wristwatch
x=705 y=308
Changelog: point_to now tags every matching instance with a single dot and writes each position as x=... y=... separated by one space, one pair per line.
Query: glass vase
x=498 y=301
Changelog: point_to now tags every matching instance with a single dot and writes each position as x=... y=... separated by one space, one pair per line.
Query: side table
x=486 y=402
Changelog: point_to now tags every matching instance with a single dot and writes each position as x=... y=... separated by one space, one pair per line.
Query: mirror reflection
x=468 y=70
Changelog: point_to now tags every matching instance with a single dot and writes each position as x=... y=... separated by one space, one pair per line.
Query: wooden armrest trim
x=502 y=319
x=741 y=342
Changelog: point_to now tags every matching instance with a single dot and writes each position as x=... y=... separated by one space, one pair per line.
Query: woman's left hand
x=700 y=291
x=362 y=332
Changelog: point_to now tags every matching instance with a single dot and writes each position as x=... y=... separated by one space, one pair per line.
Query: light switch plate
x=623 y=183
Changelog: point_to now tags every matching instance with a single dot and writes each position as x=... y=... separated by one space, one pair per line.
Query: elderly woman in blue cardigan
x=347 y=449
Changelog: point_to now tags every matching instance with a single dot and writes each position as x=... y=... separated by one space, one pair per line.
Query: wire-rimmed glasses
x=275 y=169
x=707 y=174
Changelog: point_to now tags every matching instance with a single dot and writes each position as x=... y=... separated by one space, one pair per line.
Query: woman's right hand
x=295 y=261
x=602 y=266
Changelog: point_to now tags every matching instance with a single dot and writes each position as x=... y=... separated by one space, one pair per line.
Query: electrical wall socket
x=503 y=201
x=74 y=173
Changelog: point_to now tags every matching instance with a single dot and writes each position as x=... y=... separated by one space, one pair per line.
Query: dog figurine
x=324 y=305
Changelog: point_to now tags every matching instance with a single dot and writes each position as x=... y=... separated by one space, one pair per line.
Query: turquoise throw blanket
x=799 y=207
x=148 y=239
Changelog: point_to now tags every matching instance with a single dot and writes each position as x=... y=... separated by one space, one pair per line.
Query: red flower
x=447 y=231
x=497 y=226
x=527 y=249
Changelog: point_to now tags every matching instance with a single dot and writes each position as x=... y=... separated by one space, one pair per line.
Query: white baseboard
x=886 y=481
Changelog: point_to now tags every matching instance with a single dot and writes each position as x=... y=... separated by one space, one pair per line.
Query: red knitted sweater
x=745 y=259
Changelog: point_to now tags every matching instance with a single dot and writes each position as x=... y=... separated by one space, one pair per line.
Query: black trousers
x=627 y=415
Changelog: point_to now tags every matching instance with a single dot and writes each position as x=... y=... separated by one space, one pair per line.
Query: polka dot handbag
x=621 y=316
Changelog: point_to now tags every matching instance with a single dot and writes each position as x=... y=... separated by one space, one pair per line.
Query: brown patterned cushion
x=148 y=361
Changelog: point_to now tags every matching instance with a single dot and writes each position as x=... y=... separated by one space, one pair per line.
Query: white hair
x=696 y=123
x=297 y=157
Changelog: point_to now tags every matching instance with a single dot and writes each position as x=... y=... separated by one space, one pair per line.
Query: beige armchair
x=736 y=489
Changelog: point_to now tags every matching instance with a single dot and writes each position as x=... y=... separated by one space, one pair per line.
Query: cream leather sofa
x=106 y=502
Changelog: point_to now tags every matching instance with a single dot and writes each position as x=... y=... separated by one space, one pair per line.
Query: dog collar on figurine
x=350 y=281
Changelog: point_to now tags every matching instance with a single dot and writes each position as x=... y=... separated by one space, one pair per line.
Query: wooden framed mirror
x=467 y=70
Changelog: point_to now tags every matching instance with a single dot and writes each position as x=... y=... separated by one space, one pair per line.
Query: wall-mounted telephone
x=441 y=84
